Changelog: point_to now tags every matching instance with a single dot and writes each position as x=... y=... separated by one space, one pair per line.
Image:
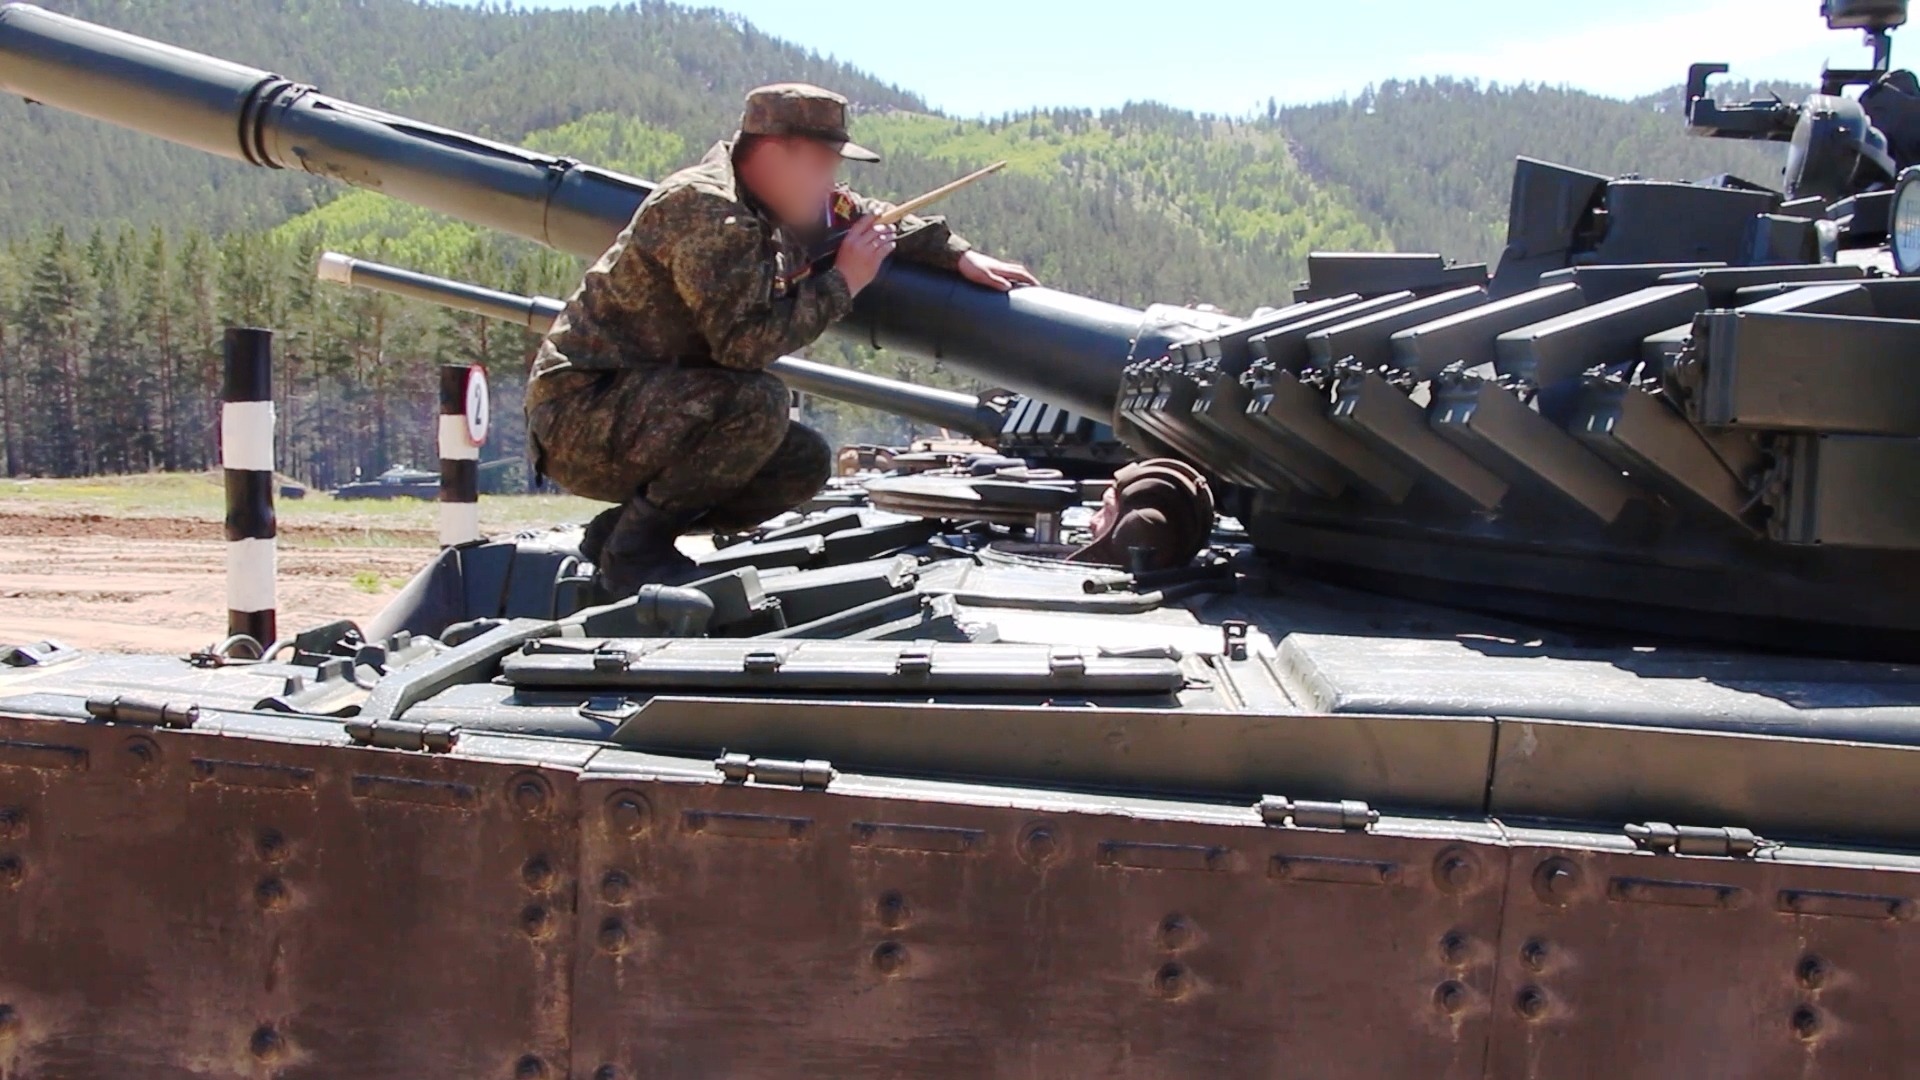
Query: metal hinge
x=811 y=774
x=610 y=710
x=1346 y=815
x=402 y=735
x=1726 y=843
x=763 y=661
x=611 y=658
x=121 y=709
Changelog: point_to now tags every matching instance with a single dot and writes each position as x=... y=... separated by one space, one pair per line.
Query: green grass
x=324 y=520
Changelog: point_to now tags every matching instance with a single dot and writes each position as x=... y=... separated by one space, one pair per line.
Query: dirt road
x=153 y=584
x=138 y=564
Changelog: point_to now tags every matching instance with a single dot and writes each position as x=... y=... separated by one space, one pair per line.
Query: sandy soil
x=157 y=583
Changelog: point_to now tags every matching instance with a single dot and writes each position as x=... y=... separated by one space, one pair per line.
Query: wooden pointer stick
x=894 y=216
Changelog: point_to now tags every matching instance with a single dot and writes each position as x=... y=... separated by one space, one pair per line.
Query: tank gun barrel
x=535 y=313
x=1060 y=348
x=949 y=409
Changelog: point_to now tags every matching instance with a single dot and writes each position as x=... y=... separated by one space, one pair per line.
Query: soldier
x=651 y=391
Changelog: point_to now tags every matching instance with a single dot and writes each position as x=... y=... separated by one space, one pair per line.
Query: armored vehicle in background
x=1542 y=703
x=399 y=482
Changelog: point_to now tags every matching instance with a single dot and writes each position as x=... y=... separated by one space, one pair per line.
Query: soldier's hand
x=862 y=252
x=995 y=273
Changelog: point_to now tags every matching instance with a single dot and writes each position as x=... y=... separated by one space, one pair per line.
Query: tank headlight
x=1904 y=223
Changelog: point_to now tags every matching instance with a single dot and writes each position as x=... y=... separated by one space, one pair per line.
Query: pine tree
x=56 y=321
x=158 y=305
x=11 y=371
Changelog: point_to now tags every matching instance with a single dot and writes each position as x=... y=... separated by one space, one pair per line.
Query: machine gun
x=1841 y=146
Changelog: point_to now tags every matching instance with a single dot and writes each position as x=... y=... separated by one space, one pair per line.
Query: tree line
x=110 y=355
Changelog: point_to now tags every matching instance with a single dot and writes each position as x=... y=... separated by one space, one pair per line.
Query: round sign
x=1904 y=227
x=479 y=405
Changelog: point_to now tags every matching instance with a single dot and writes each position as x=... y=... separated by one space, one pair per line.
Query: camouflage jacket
x=701 y=276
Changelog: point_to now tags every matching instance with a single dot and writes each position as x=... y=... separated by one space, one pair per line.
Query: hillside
x=477 y=68
x=117 y=296
x=1432 y=161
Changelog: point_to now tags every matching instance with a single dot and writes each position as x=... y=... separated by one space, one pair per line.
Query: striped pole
x=463 y=408
x=246 y=454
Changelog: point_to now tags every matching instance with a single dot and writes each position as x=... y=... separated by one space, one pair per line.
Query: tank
x=1542 y=703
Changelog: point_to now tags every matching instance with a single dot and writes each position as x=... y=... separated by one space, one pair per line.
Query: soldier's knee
x=764 y=397
x=812 y=457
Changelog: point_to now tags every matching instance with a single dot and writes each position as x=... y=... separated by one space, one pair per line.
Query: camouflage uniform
x=652 y=383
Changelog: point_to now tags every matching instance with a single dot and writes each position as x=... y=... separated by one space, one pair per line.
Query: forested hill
x=482 y=69
x=123 y=255
x=1414 y=165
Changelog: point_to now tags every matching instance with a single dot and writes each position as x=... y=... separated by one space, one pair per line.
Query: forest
x=122 y=258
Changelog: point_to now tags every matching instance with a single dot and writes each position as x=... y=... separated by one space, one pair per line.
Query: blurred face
x=793 y=177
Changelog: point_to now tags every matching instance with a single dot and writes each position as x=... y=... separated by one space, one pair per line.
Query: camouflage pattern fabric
x=652 y=381
x=807 y=111
x=688 y=439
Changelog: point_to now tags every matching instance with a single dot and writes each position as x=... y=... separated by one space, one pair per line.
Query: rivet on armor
x=890 y=958
x=535 y=921
x=628 y=812
x=1534 y=955
x=1173 y=980
x=892 y=910
x=266 y=1043
x=613 y=936
x=1556 y=881
x=1453 y=870
x=1812 y=972
x=1039 y=844
x=1176 y=932
x=1806 y=1021
x=537 y=874
x=531 y=793
x=616 y=887
x=139 y=755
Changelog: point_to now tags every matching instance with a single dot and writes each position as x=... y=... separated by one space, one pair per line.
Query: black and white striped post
x=464 y=416
x=246 y=454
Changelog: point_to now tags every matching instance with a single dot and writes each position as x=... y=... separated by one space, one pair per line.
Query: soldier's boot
x=601 y=527
x=640 y=550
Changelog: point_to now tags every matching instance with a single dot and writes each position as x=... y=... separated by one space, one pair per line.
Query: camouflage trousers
x=706 y=440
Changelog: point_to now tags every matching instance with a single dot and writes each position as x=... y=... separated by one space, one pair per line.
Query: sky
x=988 y=57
